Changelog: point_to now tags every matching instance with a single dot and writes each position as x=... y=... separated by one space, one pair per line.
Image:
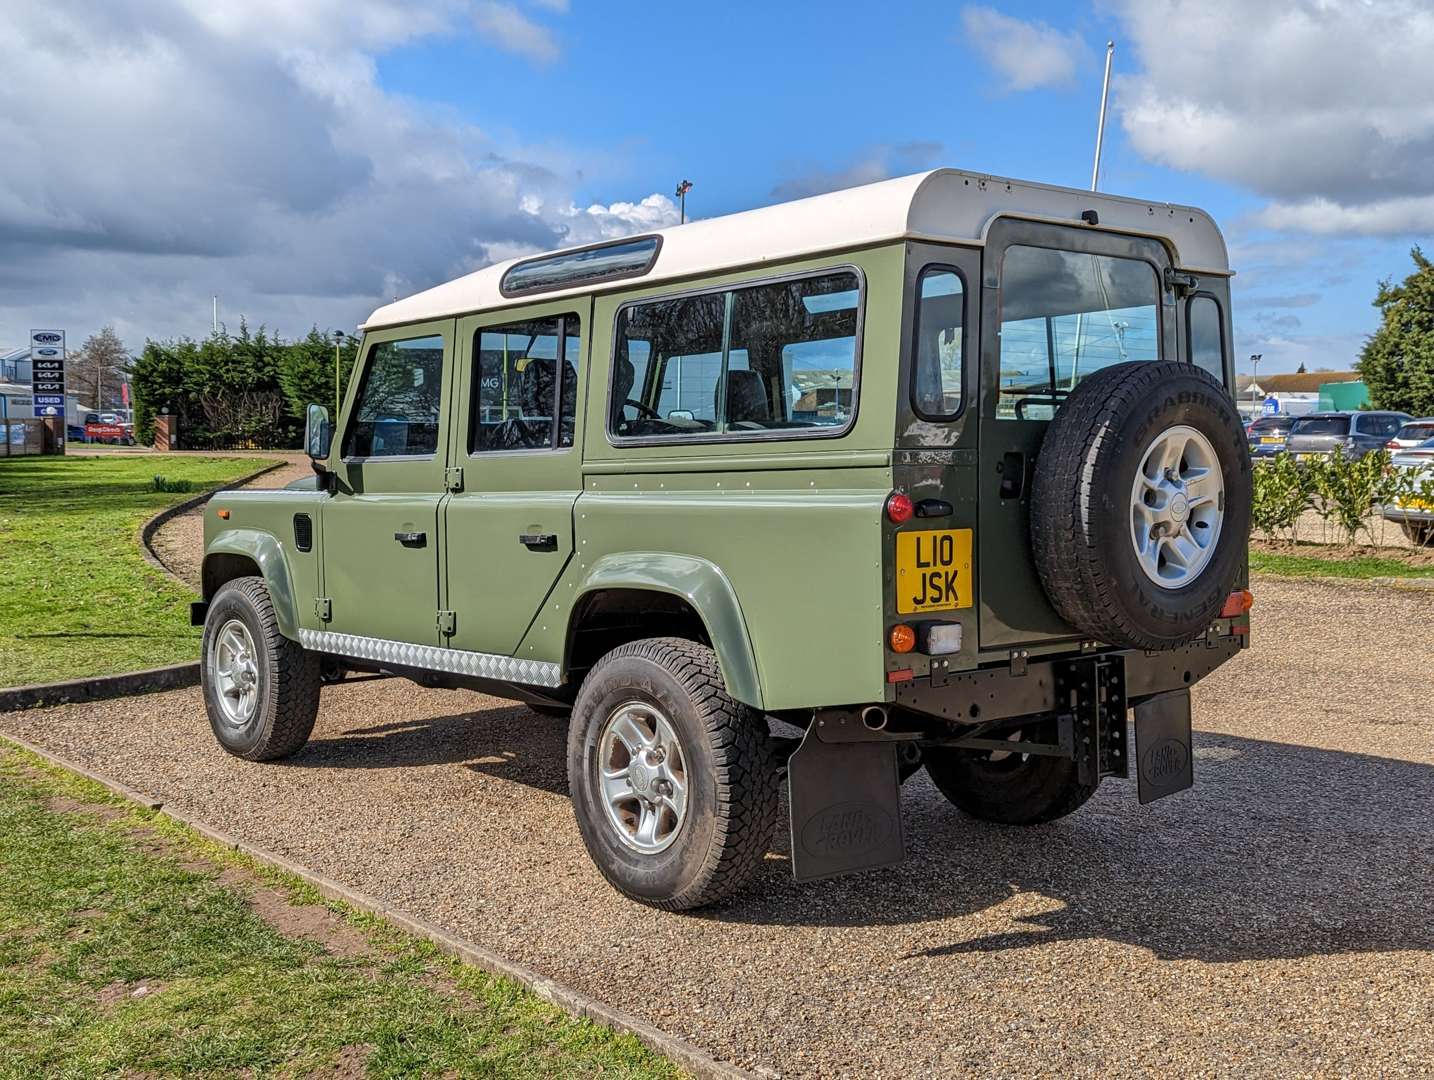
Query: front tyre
x=261 y=690
x=1008 y=787
x=674 y=783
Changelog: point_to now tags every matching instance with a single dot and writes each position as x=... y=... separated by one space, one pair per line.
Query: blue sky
x=308 y=159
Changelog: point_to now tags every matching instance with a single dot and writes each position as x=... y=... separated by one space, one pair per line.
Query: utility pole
x=682 y=189
x=1100 y=125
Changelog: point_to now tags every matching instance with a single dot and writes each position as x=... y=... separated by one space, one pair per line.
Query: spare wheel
x=1140 y=509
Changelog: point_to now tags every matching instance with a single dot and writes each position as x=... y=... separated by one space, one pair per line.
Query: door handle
x=411 y=539
x=539 y=541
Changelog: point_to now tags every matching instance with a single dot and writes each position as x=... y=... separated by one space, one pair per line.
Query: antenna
x=1100 y=126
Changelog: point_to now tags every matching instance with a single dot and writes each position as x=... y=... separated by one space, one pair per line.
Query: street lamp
x=681 y=193
x=1255 y=359
x=338 y=345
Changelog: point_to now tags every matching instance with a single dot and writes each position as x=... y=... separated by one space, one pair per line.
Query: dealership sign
x=47 y=371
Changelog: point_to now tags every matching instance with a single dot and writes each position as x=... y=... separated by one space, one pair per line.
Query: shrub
x=159 y=483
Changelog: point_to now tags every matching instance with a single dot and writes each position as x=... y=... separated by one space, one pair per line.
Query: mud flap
x=844 y=799
x=1162 y=745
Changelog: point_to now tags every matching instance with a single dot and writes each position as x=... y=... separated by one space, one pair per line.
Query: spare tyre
x=1140 y=506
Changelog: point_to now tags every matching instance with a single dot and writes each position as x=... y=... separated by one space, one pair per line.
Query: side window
x=779 y=356
x=1065 y=314
x=1207 y=335
x=936 y=373
x=526 y=385
x=396 y=414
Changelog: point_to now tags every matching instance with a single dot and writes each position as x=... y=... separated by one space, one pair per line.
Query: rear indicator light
x=224 y=515
x=902 y=638
x=1237 y=603
x=899 y=507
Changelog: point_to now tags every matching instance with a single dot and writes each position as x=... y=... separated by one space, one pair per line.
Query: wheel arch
x=692 y=598
x=240 y=553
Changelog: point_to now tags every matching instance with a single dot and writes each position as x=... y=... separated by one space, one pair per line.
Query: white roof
x=945 y=205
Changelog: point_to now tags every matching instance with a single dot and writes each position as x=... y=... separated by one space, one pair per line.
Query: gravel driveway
x=1278 y=919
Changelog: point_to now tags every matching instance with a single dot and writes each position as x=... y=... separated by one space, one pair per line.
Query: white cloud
x=159 y=153
x=508 y=28
x=1028 y=55
x=1326 y=107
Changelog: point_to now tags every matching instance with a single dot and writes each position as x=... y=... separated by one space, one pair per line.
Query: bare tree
x=96 y=369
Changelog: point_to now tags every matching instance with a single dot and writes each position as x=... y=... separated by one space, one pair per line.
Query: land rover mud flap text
x=1162 y=745
x=845 y=806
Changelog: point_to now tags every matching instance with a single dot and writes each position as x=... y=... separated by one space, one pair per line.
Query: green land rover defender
x=942 y=471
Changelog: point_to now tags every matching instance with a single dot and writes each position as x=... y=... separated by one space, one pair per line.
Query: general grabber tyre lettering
x=243 y=648
x=723 y=756
x=1082 y=504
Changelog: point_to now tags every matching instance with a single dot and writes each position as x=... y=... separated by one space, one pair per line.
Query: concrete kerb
x=573 y=1002
x=152 y=526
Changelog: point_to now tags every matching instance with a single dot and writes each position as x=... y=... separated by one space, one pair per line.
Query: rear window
x=1321 y=425
x=1270 y=423
x=1065 y=314
x=1416 y=431
x=772 y=358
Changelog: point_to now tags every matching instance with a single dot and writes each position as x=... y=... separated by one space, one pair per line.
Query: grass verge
x=1348 y=566
x=76 y=597
x=129 y=945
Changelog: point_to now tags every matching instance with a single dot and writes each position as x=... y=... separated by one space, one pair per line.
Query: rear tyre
x=1420 y=534
x=1140 y=509
x=1009 y=788
x=674 y=783
x=261 y=690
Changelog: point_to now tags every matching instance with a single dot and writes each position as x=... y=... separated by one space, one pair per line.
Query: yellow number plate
x=933 y=570
x=1416 y=504
x=1270 y=439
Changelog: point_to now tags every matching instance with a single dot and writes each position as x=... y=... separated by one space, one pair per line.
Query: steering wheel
x=645 y=410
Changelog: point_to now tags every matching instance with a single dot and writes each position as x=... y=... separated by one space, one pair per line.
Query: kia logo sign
x=46 y=337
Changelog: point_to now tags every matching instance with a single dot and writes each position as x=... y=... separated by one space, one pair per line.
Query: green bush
x=159 y=483
x=1342 y=491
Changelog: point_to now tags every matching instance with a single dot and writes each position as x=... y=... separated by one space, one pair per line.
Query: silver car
x=1415 y=514
x=1352 y=434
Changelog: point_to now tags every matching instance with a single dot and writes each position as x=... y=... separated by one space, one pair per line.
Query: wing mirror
x=318 y=432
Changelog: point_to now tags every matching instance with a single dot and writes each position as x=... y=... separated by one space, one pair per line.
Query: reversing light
x=940 y=639
x=899 y=507
x=902 y=638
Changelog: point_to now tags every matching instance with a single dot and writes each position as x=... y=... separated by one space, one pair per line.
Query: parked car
x=1352 y=434
x=773 y=465
x=1412 y=434
x=1415 y=514
x=1267 y=434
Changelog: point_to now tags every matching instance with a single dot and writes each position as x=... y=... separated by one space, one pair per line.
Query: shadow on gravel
x=1279 y=851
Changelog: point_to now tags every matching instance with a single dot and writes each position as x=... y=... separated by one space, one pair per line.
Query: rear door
x=509 y=532
x=1057 y=304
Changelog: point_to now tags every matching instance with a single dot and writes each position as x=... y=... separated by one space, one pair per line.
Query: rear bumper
x=1407 y=513
x=971 y=697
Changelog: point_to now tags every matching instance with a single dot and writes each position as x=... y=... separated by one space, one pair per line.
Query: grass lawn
x=76 y=597
x=1343 y=566
x=131 y=946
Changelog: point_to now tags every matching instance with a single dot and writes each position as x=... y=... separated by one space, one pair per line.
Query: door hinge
x=453 y=478
x=1179 y=282
x=323 y=608
x=447 y=622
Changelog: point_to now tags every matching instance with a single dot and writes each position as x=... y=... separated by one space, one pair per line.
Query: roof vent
x=599 y=263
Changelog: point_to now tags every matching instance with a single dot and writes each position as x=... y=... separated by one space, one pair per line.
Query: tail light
x=1392 y=444
x=899 y=507
x=1237 y=603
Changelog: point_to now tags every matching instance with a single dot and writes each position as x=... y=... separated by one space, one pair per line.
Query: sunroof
x=603 y=262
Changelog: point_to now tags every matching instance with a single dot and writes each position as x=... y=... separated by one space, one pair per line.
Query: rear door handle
x=539 y=541
x=411 y=539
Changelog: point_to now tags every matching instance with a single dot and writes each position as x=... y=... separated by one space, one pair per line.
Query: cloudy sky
x=310 y=159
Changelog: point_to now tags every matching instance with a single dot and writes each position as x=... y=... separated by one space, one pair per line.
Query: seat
x=747 y=404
